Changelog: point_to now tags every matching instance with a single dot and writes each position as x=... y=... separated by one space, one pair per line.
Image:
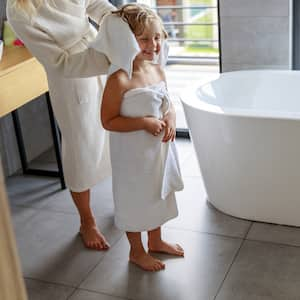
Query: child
x=144 y=160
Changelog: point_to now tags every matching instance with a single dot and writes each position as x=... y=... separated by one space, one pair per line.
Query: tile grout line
x=264 y=241
x=71 y=294
x=49 y=209
x=100 y=293
x=49 y=282
x=234 y=259
x=237 y=237
x=55 y=284
x=42 y=208
x=229 y=268
x=99 y=261
x=205 y=232
x=274 y=243
x=75 y=287
x=247 y=232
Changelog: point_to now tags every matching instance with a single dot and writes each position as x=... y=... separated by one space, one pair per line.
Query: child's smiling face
x=150 y=40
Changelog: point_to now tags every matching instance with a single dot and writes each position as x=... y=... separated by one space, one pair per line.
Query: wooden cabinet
x=22 y=79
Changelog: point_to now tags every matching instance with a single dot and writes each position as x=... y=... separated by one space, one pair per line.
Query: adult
x=57 y=33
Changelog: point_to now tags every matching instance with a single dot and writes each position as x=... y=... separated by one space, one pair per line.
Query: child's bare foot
x=164 y=247
x=93 y=238
x=146 y=261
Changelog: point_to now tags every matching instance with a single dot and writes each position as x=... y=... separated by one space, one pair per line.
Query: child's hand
x=170 y=129
x=154 y=125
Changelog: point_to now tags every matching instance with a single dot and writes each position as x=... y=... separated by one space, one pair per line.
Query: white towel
x=160 y=172
x=116 y=40
x=172 y=180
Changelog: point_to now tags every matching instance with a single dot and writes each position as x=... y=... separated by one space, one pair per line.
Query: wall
x=296 y=35
x=35 y=126
x=255 y=34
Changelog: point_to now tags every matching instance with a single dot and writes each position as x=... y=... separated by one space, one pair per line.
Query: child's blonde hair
x=138 y=17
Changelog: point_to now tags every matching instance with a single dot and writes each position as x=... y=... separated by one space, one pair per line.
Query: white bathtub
x=245 y=127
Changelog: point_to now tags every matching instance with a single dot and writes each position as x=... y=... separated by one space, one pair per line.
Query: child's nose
x=152 y=43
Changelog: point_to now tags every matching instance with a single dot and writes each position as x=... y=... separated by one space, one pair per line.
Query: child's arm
x=170 y=117
x=170 y=120
x=110 y=109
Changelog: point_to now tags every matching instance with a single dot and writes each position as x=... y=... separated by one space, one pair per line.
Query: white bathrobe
x=58 y=37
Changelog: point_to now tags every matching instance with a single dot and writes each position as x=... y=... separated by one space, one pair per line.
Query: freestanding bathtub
x=245 y=127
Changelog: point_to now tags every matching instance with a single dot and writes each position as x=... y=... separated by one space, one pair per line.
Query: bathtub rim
x=188 y=97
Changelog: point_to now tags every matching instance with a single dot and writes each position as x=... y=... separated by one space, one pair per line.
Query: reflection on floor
x=225 y=257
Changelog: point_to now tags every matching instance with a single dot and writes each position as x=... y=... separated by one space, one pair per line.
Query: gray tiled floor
x=225 y=258
x=47 y=291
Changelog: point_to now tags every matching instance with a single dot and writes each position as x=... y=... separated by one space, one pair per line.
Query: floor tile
x=50 y=247
x=29 y=190
x=195 y=213
x=196 y=276
x=43 y=192
x=190 y=166
x=87 y=295
x=184 y=148
x=275 y=233
x=37 y=290
x=263 y=271
x=101 y=200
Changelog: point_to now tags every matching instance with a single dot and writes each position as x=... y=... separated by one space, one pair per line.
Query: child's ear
x=165 y=34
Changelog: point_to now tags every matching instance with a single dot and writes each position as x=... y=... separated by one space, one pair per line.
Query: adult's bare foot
x=164 y=247
x=93 y=238
x=146 y=261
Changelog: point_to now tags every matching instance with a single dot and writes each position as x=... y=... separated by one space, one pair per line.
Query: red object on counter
x=18 y=42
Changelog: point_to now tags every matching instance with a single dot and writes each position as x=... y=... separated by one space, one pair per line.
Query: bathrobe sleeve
x=97 y=9
x=84 y=64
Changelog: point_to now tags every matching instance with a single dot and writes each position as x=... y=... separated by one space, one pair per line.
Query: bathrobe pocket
x=85 y=89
